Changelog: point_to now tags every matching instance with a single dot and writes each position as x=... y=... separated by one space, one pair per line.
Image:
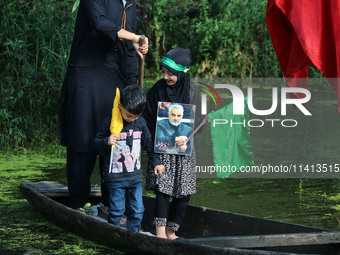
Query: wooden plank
x=55 y=189
x=270 y=240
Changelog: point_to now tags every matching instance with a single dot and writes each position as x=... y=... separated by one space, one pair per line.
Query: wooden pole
x=141 y=63
x=204 y=122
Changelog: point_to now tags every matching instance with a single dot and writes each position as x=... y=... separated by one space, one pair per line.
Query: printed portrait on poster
x=175 y=124
x=126 y=156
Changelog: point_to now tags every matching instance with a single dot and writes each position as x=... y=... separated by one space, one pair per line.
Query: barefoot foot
x=170 y=234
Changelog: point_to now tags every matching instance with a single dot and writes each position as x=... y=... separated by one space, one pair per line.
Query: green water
x=291 y=200
x=298 y=199
x=301 y=201
x=23 y=230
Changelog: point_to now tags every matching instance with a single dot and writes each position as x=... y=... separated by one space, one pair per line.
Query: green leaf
x=75 y=6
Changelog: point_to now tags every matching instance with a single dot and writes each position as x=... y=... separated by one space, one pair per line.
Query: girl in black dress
x=179 y=179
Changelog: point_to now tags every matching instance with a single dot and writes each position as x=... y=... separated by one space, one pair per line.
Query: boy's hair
x=133 y=99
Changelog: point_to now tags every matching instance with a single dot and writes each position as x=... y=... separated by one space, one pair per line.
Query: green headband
x=170 y=63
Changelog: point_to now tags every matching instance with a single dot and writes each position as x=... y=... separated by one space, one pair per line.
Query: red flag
x=304 y=33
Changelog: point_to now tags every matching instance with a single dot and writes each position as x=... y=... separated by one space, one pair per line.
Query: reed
x=35 y=40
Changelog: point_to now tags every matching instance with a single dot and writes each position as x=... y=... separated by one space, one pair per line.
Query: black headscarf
x=178 y=93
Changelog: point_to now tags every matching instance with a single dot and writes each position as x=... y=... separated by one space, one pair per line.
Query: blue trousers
x=126 y=196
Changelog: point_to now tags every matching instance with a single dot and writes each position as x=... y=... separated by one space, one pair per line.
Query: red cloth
x=306 y=32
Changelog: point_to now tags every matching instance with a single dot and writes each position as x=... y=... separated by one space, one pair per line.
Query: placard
x=175 y=124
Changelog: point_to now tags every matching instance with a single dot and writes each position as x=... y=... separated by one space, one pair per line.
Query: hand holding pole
x=141 y=63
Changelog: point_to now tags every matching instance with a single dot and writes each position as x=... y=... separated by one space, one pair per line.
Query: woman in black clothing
x=103 y=57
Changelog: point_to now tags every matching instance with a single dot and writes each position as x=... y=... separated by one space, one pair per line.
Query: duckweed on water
x=22 y=229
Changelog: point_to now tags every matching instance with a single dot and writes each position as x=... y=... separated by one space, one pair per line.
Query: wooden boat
x=206 y=231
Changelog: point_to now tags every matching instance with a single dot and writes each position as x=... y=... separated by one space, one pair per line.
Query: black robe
x=99 y=62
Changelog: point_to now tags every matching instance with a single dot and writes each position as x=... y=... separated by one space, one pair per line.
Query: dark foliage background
x=228 y=38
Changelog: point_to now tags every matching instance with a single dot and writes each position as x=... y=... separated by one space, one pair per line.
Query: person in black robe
x=179 y=178
x=103 y=57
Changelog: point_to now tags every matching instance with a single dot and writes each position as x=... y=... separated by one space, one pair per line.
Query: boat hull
x=207 y=231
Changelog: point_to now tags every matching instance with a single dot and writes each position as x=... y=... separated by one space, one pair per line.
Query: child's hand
x=183 y=147
x=159 y=169
x=112 y=140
